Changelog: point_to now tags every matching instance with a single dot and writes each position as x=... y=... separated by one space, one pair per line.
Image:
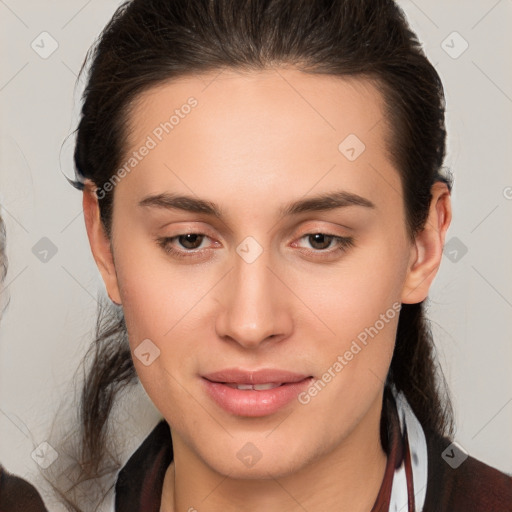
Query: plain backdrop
x=49 y=321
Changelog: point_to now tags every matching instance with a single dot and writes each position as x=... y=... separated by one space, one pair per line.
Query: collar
x=410 y=478
x=139 y=483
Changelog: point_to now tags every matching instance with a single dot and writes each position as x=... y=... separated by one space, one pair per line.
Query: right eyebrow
x=182 y=202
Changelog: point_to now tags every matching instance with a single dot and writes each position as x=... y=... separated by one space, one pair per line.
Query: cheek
x=359 y=305
x=362 y=308
x=156 y=294
x=155 y=313
x=353 y=294
x=163 y=303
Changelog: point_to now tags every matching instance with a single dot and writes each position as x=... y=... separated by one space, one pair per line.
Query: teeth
x=270 y=385
x=256 y=387
x=243 y=386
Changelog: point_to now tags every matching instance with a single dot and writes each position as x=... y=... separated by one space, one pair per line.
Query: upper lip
x=262 y=376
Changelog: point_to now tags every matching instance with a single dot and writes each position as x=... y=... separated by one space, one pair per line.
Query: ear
x=99 y=242
x=427 y=250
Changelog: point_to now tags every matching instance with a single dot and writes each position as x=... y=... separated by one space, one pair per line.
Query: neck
x=347 y=479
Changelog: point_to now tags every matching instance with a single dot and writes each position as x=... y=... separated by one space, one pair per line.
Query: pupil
x=193 y=242
x=321 y=236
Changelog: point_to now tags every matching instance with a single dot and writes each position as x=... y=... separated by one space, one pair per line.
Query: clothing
x=18 y=495
x=414 y=460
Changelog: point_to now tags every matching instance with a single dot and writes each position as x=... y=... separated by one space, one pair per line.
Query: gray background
x=50 y=319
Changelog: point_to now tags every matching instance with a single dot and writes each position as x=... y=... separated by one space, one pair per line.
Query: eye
x=321 y=241
x=191 y=242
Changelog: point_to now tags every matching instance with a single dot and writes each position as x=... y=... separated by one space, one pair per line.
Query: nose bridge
x=252 y=309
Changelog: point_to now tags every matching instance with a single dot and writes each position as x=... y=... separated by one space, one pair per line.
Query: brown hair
x=150 y=41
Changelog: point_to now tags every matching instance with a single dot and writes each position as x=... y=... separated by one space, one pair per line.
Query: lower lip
x=254 y=403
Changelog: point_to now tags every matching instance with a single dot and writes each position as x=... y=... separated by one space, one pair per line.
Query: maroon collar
x=140 y=482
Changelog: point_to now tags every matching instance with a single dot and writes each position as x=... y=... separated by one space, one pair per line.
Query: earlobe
x=427 y=251
x=99 y=242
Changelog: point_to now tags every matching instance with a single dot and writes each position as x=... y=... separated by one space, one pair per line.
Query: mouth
x=254 y=393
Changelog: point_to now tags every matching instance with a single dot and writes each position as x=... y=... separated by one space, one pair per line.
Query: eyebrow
x=321 y=202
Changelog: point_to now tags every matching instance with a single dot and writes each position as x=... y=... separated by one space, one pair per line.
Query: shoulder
x=458 y=482
x=18 y=495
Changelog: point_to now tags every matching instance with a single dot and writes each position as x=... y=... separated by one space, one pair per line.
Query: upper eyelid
x=308 y=229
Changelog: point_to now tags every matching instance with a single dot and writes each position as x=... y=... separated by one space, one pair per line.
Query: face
x=261 y=284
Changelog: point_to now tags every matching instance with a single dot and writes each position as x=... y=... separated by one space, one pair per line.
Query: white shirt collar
x=419 y=459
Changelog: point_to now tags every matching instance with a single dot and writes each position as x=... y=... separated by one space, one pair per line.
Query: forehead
x=276 y=97
x=249 y=131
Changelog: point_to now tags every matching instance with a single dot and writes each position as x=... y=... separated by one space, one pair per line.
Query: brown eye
x=186 y=245
x=320 y=241
x=190 y=240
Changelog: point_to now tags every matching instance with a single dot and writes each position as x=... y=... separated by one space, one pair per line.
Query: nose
x=255 y=305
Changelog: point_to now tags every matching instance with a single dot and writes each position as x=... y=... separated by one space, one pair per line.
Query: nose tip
x=251 y=337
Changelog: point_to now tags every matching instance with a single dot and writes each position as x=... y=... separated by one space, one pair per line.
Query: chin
x=259 y=461
x=260 y=471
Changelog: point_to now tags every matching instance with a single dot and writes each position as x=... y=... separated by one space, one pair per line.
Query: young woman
x=263 y=197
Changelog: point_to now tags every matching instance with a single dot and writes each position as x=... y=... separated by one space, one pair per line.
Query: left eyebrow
x=322 y=202
x=325 y=202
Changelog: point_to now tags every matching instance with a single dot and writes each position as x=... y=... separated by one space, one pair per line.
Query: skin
x=255 y=142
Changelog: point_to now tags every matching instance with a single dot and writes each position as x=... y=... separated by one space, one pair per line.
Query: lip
x=262 y=376
x=254 y=403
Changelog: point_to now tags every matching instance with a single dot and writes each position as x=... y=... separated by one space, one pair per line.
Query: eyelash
x=344 y=243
